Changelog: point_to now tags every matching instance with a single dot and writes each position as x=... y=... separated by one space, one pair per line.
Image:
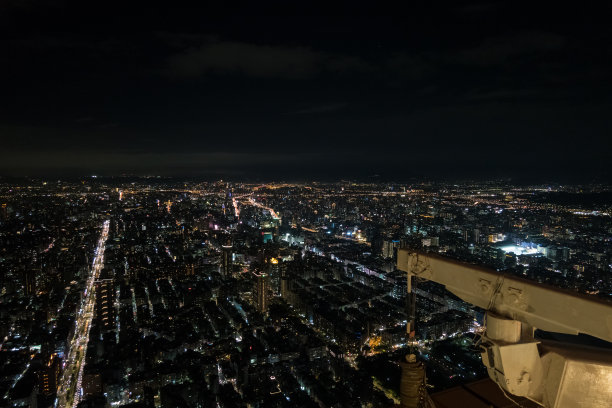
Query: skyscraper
x=189 y=269
x=105 y=307
x=284 y=285
x=226 y=261
x=48 y=375
x=476 y=236
x=389 y=248
x=274 y=272
x=29 y=282
x=261 y=291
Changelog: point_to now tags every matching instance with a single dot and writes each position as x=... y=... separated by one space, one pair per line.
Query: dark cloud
x=409 y=66
x=503 y=49
x=261 y=61
x=330 y=107
x=503 y=94
x=479 y=8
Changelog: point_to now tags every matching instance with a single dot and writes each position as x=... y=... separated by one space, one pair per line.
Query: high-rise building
x=431 y=242
x=29 y=282
x=284 y=285
x=3 y=212
x=49 y=375
x=375 y=237
x=226 y=261
x=387 y=249
x=105 y=304
x=189 y=269
x=275 y=275
x=476 y=235
x=261 y=291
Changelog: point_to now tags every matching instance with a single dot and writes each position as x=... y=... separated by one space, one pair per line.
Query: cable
x=498 y=285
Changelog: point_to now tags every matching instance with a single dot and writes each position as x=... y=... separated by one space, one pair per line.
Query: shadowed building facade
x=262 y=283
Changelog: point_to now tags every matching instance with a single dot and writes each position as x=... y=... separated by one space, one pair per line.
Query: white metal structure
x=552 y=374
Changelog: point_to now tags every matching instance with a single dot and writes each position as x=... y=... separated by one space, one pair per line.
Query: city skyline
x=147 y=292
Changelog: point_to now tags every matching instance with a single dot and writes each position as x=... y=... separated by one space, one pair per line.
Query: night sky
x=483 y=89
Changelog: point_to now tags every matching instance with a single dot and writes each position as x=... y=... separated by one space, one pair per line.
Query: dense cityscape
x=160 y=292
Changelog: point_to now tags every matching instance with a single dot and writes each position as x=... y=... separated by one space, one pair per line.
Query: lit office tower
x=274 y=272
x=48 y=375
x=261 y=291
x=105 y=307
x=29 y=282
x=226 y=264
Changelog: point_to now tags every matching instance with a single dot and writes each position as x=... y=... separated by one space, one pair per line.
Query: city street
x=70 y=390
